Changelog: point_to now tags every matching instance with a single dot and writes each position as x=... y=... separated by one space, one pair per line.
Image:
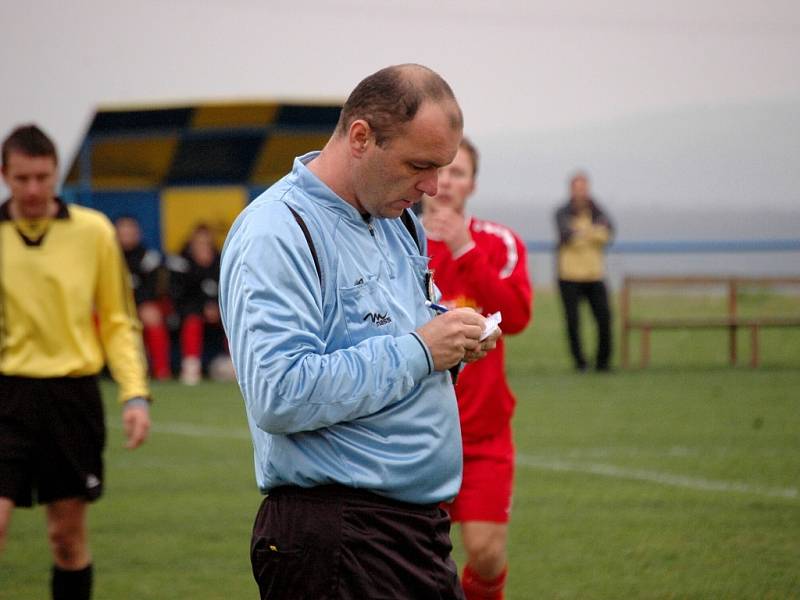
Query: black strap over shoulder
x=409 y=223
x=405 y=217
x=307 y=235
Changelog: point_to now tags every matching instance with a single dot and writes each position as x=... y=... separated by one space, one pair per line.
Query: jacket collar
x=62 y=213
x=590 y=206
x=318 y=191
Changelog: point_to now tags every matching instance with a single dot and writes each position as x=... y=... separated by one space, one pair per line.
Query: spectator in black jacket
x=194 y=280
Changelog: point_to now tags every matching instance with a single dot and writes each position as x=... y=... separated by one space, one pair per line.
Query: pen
x=437 y=307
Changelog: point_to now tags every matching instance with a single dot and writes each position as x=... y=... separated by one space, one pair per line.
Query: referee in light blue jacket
x=343 y=368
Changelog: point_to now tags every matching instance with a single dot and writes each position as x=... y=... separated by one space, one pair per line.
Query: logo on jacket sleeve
x=379 y=319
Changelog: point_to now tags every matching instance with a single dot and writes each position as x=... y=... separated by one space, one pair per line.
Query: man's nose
x=32 y=187
x=430 y=183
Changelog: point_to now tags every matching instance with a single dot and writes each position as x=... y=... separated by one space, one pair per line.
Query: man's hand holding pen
x=455 y=336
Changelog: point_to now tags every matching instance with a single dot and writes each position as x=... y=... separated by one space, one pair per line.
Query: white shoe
x=191 y=370
x=221 y=368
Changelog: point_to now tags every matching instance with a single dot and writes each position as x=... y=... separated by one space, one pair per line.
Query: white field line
x=533 y=462
x=683 y=481
x=191 y=430
x=612 y=452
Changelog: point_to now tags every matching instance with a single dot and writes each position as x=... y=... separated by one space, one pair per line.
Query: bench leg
x=754 y=346
x=625 y=333
x=732 y=344
x=645 y=355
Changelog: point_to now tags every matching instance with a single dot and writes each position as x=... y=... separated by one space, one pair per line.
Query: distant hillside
x=534 y=221
x=728 y=171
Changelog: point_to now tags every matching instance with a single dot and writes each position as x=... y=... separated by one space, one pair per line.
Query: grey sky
x=527 y=72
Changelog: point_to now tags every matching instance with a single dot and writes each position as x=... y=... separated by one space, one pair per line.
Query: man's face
x=456 y=184
x=201 y=248
x=580 y=188
x=128 y=233
x=391 y=178
x=32 y=181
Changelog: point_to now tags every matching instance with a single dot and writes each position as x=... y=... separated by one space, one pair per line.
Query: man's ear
x=359 y=137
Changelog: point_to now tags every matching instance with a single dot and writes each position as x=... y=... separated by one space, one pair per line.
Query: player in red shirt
x=482 y=265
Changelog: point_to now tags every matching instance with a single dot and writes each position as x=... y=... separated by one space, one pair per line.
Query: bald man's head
x=390 y=98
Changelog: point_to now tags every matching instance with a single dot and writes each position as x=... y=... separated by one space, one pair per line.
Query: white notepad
x=492 y=321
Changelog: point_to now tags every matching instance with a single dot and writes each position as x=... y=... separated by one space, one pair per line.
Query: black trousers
x=595 y=292
x=337 y=543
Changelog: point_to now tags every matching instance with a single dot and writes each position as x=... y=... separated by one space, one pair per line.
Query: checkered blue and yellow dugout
x=173 y=167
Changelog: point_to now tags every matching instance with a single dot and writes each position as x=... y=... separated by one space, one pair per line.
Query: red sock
x=476 y=588
x=156 y=340
x=192 y=336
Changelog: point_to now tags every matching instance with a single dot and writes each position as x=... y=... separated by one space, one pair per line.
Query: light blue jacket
x=337 y=387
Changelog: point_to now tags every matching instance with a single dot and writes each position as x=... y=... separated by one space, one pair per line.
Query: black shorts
x=337 y=543
x=52 y=435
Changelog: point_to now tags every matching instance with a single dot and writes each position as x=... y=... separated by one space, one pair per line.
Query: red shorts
x=485 y=493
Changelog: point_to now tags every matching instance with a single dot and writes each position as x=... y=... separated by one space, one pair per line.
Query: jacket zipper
x=386 y=261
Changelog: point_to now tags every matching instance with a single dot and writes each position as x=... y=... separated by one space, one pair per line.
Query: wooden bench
x=731 y=321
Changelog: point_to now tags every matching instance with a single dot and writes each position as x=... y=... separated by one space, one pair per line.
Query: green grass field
x=679 y=481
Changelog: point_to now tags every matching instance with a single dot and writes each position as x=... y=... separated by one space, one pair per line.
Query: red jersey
x=491 y=276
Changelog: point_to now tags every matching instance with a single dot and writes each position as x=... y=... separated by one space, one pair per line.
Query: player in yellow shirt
x=65 y=307
x=584 y=230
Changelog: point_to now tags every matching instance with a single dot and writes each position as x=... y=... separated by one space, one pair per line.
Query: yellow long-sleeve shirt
x=66 y=301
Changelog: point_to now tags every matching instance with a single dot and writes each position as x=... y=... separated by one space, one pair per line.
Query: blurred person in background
x=584 y=231
x=481 y=265
x=194 y=281
x=66 y=308
x=148 y=280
